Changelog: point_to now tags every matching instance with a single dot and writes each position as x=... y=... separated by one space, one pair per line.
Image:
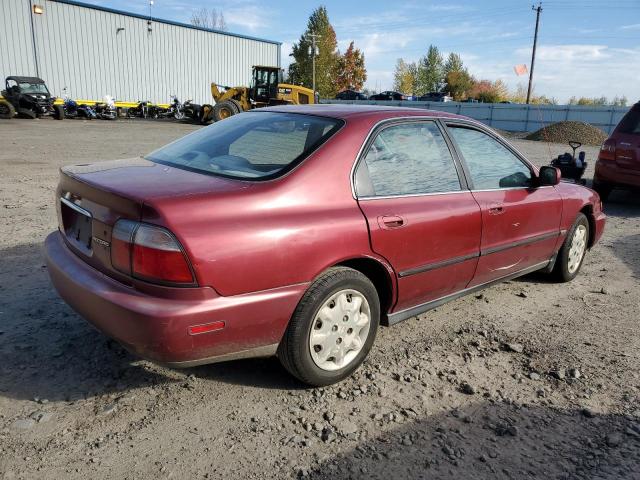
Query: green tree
x=404 y=78
x=327 y=57
x=453 y=64
x=430 y=74
x=352 y=72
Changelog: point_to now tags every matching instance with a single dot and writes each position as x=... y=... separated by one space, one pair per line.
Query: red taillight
x=608 y=150
x=149 y=253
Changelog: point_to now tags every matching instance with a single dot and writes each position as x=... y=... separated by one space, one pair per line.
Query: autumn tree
x=351 y=71
x=208 y=18
x=490 y=92
x=430 y=73
x=404 y=78
x=327 y=56
x=458 y=84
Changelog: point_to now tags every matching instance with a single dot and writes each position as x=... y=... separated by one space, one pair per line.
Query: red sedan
x=296 y=231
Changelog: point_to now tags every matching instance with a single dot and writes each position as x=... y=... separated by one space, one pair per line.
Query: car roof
x=345 y=111
x=26 y=79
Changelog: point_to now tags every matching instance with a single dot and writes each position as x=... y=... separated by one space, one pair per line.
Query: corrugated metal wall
x=83 y=50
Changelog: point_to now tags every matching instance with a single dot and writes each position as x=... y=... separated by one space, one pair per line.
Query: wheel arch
x=381 y=275
x=587 y=210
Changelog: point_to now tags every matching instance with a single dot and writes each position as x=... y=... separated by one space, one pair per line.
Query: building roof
x=161 y=20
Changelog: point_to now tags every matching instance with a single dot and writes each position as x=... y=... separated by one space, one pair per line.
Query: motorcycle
x=72 y=109
x=107 y=109
x=144 y=109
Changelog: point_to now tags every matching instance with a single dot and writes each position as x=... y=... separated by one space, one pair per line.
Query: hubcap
x=577 y=249
x=340 y=330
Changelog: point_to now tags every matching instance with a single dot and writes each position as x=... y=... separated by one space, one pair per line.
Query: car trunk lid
x=91 y=198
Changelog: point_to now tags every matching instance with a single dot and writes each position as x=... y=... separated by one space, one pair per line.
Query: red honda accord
x=296 y=231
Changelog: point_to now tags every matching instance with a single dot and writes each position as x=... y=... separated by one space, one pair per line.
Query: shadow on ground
x=47 y=351
x=496 y=441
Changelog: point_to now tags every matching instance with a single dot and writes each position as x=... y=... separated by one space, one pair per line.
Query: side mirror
x=549 y=176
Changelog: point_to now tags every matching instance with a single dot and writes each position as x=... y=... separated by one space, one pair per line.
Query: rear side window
x=408 y=159
x=491 y=164
x=630 y=123
x=252 y=145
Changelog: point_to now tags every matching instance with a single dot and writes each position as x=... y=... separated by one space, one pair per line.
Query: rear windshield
x=251 y=145
x=630 y=123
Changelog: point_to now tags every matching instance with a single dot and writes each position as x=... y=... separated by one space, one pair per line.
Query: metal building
x=94 y=51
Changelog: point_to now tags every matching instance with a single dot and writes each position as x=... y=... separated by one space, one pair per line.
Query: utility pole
x=313 y=37
x=537 y=9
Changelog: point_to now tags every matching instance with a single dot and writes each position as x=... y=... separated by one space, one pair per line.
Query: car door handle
x=496 y=209
x=390 y=221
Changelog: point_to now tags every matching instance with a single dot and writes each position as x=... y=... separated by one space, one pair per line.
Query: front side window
x=491 y=164
x=407 y=159
x=251 y=145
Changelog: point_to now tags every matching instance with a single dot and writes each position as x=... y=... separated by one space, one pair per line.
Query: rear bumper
x=156 y=327
x=610 y=173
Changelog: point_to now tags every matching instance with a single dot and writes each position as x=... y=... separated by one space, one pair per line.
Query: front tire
x=58 y=112
x=571 y=255
x=332 y=328
x=224 y=110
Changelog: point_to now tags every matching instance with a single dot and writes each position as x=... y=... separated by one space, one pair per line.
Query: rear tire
x=602 y=189
x=7 y=111
x=224 y=110
x=339 y=314
x=571 y=255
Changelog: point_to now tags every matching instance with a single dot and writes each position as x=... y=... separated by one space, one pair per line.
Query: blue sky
x=585 y=47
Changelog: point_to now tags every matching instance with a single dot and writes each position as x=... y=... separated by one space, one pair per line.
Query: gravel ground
x=526 y=380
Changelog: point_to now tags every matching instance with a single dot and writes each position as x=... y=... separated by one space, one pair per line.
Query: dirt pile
x=564 y=132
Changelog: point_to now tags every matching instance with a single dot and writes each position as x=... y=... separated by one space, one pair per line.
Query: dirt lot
x=528 y=380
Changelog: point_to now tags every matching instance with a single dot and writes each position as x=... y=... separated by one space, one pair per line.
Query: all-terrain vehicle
x=28 y=97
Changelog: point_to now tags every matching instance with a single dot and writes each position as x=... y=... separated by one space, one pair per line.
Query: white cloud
x=250 y=17
x=634 y=26
x=568 y=52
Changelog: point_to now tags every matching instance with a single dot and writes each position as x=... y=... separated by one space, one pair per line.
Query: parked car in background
x=618 y=164
x=297 y=230
x=435 y=97
x=388 y=95
x=351 y=95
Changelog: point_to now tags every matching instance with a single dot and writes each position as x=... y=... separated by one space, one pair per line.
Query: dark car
x=435 y=97
x=618 y=164
x=296 y=230
x=388 y=95
x=351 y=95
x=30 y=97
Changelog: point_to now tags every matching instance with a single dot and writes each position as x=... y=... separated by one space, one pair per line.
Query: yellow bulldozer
x=267 y=88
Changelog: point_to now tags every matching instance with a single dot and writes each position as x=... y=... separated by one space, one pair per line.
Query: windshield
x=33 y=88
x=251 y=145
